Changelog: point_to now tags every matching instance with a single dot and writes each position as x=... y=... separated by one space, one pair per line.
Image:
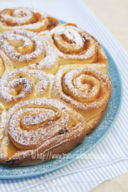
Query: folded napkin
x=110 y=157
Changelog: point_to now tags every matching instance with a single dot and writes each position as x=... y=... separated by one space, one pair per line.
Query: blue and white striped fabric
x=110 y=157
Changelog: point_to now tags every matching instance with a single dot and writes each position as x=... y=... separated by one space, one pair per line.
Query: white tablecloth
x=111 y=155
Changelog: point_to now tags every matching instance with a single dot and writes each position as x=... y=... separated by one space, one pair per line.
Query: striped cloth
x=110 y=157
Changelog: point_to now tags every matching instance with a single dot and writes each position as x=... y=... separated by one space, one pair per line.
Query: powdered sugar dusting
x=28 y=126
x=71 y=42
x=20 y=83
x=19 y=16
x=96 y=92
x=50 y=61
x=23 y=18
x=28 y=39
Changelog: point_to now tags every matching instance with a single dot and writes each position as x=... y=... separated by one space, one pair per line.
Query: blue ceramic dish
x=90 y=142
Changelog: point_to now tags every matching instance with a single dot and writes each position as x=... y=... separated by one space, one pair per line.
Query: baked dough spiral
x=22 y=47
x=85 y=89
x=42 y=126
x=26 y=18
x=20 y=84
x=26 y=48
x=74 y=45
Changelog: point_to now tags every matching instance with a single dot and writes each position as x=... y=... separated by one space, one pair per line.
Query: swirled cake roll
x=75 y=46
x=26 y=18
x=25 y=48
x=39 y=129
x=84 y=89
x=22 y=84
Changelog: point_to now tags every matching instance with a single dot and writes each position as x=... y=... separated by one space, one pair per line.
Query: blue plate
x=90 y=141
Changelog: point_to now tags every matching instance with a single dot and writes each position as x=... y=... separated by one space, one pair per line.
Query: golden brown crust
x=33 y=157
